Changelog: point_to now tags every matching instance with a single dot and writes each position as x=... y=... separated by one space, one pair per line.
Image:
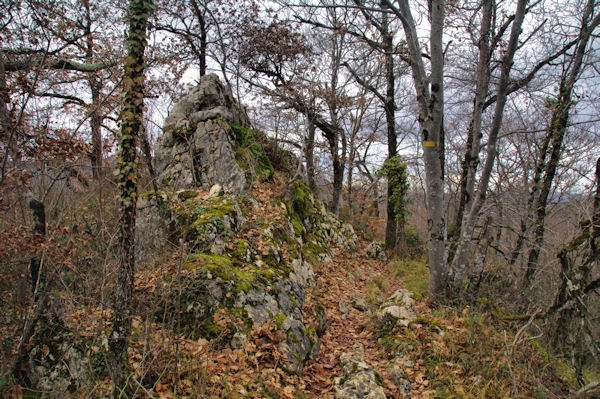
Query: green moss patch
x=250 y=154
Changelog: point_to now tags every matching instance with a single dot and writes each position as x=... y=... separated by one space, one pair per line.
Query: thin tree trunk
x=459 y=263
x=334 y=140
x=96 y=155
x=148 y=157
x=474 y=135
x=39 y=227
x=309 y=155
x=530 y=200
x=203 y=38
x=350 y=177
x=131 y=123
x=556 y=131
x=389 y=107
x=338 y=180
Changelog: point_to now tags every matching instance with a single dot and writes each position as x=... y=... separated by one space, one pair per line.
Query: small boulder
x=360 y=304
x=215 y=191
x=343 y=309
x=375 y=250
x=398 y=376
x=321 y=317
x=398 y=308
x=359 y=381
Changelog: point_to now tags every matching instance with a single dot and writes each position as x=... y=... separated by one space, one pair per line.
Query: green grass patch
x=415 y=275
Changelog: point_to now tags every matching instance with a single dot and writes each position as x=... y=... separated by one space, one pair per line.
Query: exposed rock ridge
x=208 y=144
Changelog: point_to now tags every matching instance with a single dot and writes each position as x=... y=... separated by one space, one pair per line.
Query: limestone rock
x=343 y=308
x=351 y=277
x=399 y=378
x=360 y=304
x=398 y=308
x=60 y=361
x=215 y=191
x=197 y=146
x=359 y=381
x=208 y=143
x=375 y=250
x=321 y=316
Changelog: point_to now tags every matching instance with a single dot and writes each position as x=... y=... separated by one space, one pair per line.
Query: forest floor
x=444 y=353
x=461 y=351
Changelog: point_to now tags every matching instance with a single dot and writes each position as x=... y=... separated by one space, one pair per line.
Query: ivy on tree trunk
x=126 y=173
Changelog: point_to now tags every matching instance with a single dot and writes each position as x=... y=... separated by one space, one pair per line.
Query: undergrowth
x=468 y=354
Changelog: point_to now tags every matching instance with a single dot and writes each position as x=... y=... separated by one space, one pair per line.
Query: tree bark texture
x=96 y=155
x=389 y=107
x=39 y=227
x=309 y=155
x=473 y=145
x=203 y=37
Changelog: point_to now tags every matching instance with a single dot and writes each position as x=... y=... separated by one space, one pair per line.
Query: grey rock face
x=59 y=361
x=359 y=380
x=343 y=309
x=400 y=379
x=197 y=146
x=203 y=135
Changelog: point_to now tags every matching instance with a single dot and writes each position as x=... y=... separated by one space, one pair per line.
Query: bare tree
x=430 y=96
x=468 y=223
x=558 y=127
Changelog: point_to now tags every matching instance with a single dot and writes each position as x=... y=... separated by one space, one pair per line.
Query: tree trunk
x=571 y=308
x=96 y=155
x=389 y=107
x=338 y=180
x=431 y=116
x=39 y=227
x=459 y=262
x=203 y=42
x=309 y=155
x=556 y=132
x=537 y=176
x=473 y=146
x=131 y=122
x=350 y=177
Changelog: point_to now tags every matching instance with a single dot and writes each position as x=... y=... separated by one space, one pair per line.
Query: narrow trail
x=333 y=286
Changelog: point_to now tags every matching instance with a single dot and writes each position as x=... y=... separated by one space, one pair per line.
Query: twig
x=523 y=329
x=587 y=389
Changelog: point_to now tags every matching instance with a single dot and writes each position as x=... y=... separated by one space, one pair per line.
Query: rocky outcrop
x=252 y=269
x=197 y=147
x=359 y=380
x=61 y=361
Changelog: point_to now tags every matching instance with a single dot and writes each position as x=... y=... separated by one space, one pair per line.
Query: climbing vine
x=394 y=169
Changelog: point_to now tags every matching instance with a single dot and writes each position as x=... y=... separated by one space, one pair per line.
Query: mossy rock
x=260 y=156
x=61 y=360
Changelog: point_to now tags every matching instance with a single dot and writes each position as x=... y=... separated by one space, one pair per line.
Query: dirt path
x=333 y=286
